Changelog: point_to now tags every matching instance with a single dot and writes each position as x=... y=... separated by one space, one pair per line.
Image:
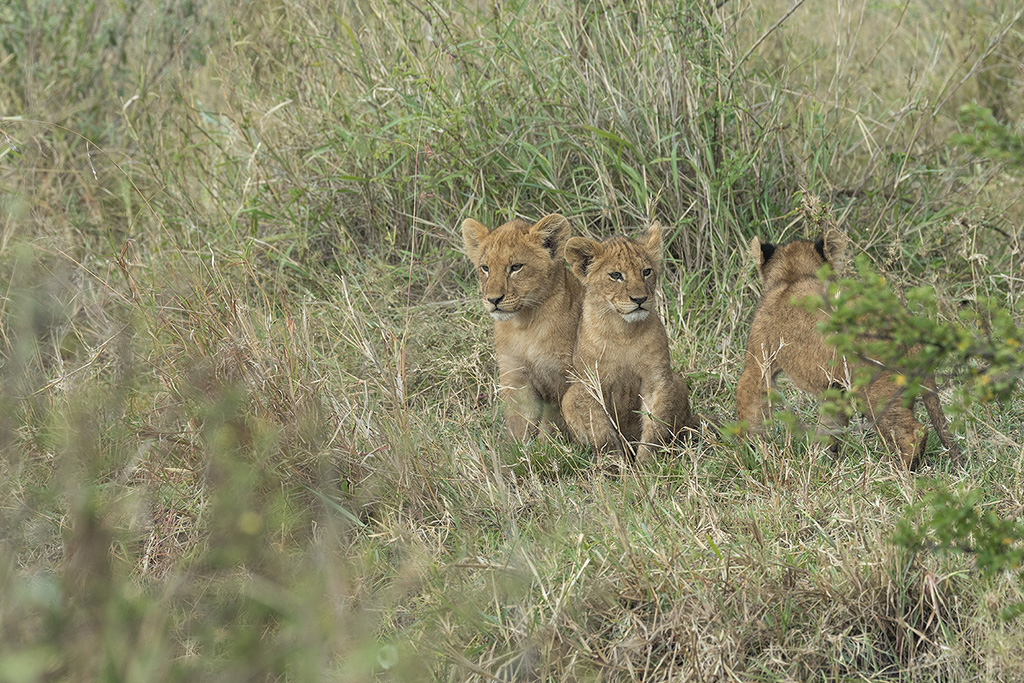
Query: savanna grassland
x=247 y=391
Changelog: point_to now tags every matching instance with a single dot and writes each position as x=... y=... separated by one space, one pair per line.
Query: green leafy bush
x=980 y=353
x=960 y=522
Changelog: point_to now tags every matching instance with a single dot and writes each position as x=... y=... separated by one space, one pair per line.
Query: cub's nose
x=638 y=299
x=495 y=300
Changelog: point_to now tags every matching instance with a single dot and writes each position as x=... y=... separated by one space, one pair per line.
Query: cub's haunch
x=784 y=338
x=535 y=303
x=624 y=389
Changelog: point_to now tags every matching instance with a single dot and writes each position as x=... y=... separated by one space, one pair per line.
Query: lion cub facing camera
x=624 y=388
x=535 y=303
x=784 y=338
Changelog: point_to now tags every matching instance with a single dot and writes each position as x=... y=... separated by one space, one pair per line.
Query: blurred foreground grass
x=247 y=413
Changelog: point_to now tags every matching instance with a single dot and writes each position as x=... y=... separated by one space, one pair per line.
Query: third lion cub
x=625 y=389
x=784 y=338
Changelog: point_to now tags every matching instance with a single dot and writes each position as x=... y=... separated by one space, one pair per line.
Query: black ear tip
x=767 y=249
x=819 y=247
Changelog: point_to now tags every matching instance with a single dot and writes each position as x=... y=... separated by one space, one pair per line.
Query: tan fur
x=535 y=302
x=624 y=388
x=784 y=338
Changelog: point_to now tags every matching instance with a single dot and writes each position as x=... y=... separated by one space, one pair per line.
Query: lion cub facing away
x=624 y=388
x=535 y=303
x=784 y=338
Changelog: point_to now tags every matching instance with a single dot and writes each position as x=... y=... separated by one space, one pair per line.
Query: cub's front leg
x=523 y=407
x=588 y=420
x=665 y=413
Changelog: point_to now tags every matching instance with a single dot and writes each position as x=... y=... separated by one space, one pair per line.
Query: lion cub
x=784 y=338
x=624 y=388
x=535 y=303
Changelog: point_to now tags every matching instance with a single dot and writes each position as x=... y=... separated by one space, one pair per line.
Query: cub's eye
x=484 y=269
x=647 y=272
x=515 y=267
x=615 y=275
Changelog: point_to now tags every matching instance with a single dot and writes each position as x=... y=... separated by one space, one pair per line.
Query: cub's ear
x=553 y=231
x=473 y=232
x=760 y=252
x=832 y=247
x=651 y=241
x=581 y=254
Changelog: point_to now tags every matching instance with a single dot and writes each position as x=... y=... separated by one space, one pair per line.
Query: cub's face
x=516 y=263
x=620 y=273
x=799 y=259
